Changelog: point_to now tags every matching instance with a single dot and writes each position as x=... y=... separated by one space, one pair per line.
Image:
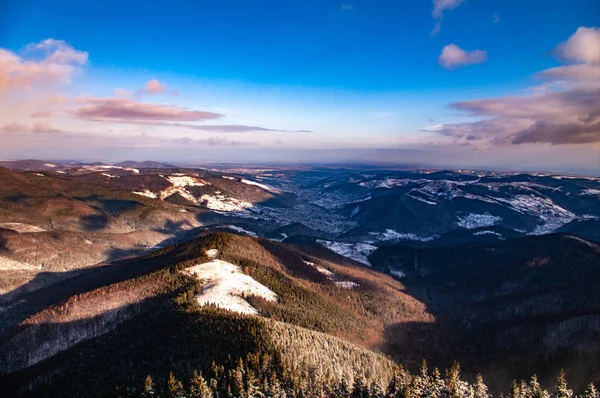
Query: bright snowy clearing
x=226 y=285
x=473 y=220
x=263 y=186
x=356 y=251
x=393 y=235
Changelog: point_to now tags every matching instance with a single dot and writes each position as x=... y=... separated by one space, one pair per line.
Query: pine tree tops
x=174 y=387
x=562 y=390
x=480 y=389
x=591 y=392
x=148 y=388
x=198 y=387
x=265 y=376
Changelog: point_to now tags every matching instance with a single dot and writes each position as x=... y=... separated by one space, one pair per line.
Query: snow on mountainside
x=356 y=251
x=263 y=186
x=226 y=286
x=472 y=220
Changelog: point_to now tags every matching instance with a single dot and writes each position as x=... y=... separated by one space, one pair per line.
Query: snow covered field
x=355 y=251
x=226 y=285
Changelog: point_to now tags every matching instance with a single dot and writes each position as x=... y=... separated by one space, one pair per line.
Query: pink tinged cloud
x=14 y=128
x=48 y=62
x=211 y=141
x=583 y=46
x=130 y=111
x=567 y=112
x=42 y=113
x=154 y=87
x=44 y=128
x=453 y=57
x=439 y=6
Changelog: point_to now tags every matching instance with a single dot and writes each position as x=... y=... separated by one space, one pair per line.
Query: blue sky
x=357 y=74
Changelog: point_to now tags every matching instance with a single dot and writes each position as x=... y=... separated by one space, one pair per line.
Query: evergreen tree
x=437 y=384
x=174 y=387
x=149 y=390
x=514 y=390
x=236 y=381
x=480 y=388
x=359 y=389
x=453 y=384
x=275 y=390
x=591 y=392
x=376 y=391
x=396 y=386
x=561 y=390
x=198 y=387
x=535 y=390
x=252 y=386
x=422 y=382
x=343 y=389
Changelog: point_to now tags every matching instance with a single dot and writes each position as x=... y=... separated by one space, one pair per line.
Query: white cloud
x=453 y=57
x=583 y=46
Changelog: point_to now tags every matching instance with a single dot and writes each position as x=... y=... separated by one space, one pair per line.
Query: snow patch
x=225 y=286
x=480 y=233
x=221 y=203
x=391 y=234
x=182 y=181
x=147 y=193
x=263 y=186
x=346 y=284
x=355 y=251
x=106 y=167
x=398 y=273
x=21 y=228
x=212 y=253
x=388 y=183
x=228 y=177
x=590 y=192
x=474 y=220
x=240 y=230
x=50 y=165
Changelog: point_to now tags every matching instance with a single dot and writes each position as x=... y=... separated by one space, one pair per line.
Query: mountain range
x=112 y=273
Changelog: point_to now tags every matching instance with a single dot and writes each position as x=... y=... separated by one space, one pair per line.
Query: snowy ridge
x=226 y=286
x=393 y=235
x=481 y=233
x=355 y=251
x=258 y=184
x=107 y=167
x=240 y=230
